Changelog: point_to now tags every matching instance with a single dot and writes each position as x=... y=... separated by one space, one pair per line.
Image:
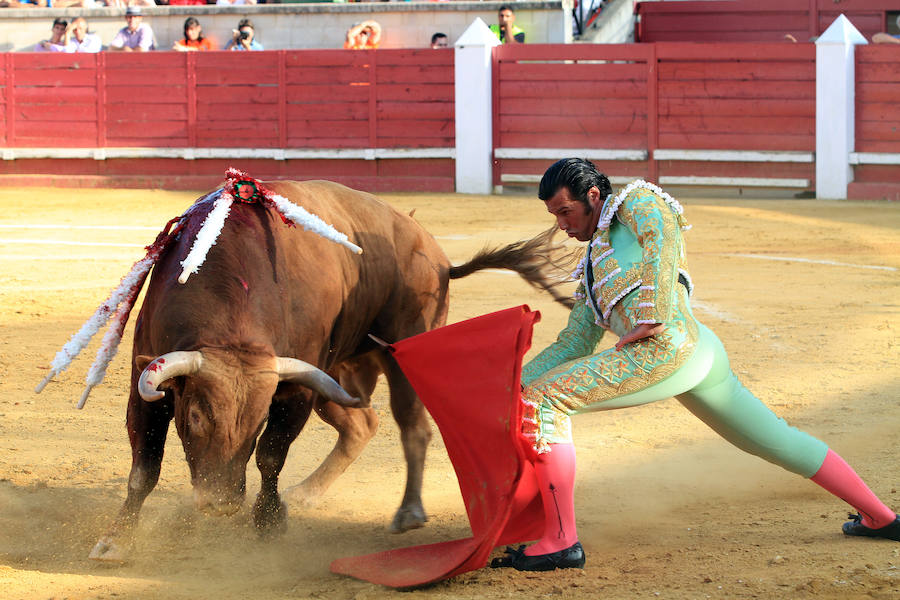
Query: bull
x=240 y=355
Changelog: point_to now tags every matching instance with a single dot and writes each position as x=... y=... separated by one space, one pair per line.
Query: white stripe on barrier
x=229 y=153
x=733 y=155
x=735 y=181
x=874 y=158
x=514 y=178
x=556 y=153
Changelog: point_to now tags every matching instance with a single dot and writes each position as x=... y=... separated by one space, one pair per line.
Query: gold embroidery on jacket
x=607 y=389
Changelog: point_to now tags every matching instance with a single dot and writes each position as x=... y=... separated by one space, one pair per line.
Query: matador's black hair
x=576 y=174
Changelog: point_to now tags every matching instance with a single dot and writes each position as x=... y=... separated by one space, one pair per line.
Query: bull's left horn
x=166 y=367
x=297 y=371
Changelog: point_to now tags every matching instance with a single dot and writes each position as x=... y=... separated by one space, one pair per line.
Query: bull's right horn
x=166 y=367
x=297 y=371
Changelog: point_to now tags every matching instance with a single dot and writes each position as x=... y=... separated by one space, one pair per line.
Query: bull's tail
x=540 y=261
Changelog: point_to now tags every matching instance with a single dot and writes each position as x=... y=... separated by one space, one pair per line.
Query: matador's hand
x=644 y=330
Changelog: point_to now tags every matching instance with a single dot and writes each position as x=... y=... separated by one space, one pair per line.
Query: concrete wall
x=280 y=26
x=615 y=25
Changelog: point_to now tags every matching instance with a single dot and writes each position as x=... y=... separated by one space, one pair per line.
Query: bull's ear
x=142 y=360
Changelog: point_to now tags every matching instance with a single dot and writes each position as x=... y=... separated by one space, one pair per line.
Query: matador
x=634 y=282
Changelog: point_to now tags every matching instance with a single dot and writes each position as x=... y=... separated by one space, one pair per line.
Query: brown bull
x=224 y=347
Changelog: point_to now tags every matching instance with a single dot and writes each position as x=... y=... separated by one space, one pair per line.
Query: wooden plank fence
x=754 y=20
x=673 y=112
x=876 y=158
x=282 y=99
x=669 y=112
x=347 y=107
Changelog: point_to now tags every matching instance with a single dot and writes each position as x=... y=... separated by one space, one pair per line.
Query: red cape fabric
x=467 y=376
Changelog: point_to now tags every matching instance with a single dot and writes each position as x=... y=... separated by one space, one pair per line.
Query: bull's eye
x=199 y=423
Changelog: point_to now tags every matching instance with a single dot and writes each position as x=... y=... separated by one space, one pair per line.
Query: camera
x=243 y=35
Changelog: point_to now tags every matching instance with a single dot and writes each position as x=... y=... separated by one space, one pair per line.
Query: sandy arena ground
x=805 y=295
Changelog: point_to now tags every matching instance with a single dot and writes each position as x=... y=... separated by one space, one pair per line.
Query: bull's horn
x=166 y=367
x=297 y=371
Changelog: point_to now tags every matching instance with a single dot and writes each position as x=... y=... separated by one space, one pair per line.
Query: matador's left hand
x=644 y=330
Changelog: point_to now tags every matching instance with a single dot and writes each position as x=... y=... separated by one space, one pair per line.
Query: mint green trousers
x=687 y=361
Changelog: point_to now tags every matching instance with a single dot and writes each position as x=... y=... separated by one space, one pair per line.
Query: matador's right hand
x=644 y=330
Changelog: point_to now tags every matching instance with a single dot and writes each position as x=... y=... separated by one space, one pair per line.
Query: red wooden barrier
x=53 y=98
x=877 y=96
x=6 y=77
x=677 y=97
x=877 y=121
x=754 y=20
x=660 y=111
x=328 y=100
x=737 y=96
x=283 y=99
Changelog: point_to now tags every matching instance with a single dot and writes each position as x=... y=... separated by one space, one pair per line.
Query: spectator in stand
x=887 y=38
x=244 y=37
x=77 y=4
x=234 y=2
x=80 y=40
x=363 y=36
x=193 y=38
x=25 y=4
x=439 y=40
x=137 y=36
x=58 y=39
x=506 y=28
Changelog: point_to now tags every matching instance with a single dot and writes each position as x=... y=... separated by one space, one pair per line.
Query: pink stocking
x=840 y=479
x=555 y=472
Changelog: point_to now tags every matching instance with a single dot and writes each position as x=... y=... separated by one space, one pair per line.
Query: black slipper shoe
x=855 y=527
x=568 y=558
x=502 y=562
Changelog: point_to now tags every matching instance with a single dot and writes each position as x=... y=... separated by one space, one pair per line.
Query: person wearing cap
x=80 y=40
x=136 y=36
x=58 y=39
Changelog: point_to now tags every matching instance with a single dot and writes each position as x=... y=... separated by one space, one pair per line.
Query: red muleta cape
x=468 y=377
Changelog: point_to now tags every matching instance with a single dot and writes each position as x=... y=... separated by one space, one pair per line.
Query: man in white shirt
x=81 y=40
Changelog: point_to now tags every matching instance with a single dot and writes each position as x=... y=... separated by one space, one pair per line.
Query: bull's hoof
x=408 y=518
x=270 y=515
x=108 y=551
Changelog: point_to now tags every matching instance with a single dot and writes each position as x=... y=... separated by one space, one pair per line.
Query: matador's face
x=575 y=218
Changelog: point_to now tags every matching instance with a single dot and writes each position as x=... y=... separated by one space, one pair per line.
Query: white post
x=835 y=107
x=474 y=132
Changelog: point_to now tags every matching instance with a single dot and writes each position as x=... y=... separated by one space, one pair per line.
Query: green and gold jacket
x=638 y=245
